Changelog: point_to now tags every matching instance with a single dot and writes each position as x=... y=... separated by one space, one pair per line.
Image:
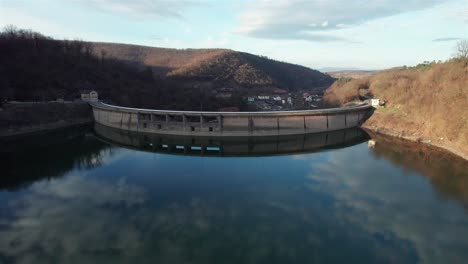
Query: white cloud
x=445 y=39
x=142 y=9
x=290 y=19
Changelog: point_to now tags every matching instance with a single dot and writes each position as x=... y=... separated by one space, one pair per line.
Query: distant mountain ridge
x=356 y=74
x=335 y=69
x=221 y=67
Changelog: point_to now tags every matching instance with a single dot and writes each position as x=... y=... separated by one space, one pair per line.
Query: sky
x=315 y=33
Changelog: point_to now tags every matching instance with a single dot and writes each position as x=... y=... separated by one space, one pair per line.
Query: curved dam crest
x=203 y=123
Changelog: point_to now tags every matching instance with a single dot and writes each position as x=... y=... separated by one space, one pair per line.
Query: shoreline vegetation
x=427 y=103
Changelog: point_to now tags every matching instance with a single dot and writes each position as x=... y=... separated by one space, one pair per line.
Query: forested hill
x=220 y=67
x=35 y=67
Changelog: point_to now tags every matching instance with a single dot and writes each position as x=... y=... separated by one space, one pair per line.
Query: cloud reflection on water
x=320 y=207
x=385 y=200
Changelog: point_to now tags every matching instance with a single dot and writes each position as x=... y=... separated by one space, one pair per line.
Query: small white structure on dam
x=375 y=102
x=202 y=123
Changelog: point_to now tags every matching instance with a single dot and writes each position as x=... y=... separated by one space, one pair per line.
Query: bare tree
x=461 y=50
x=10 y=29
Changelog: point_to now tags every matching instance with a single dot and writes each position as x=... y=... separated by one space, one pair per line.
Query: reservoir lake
x=98 y=195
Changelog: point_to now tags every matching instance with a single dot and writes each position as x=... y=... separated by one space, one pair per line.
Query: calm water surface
x=79 y=197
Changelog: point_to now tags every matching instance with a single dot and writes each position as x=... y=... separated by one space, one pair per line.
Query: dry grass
x=429 y=102
x=345 y=90
x=351 y=74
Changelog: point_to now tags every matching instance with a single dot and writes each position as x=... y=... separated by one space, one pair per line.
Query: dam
x=230 y=146
x=204 y=123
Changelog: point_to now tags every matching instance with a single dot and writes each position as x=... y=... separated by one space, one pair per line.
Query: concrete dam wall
x=199 y=123
x=230 y=146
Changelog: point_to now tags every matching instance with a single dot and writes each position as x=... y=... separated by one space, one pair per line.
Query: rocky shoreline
x=371 y=126
x=24 y=118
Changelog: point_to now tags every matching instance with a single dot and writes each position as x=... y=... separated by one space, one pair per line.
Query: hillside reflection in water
x=81 y=200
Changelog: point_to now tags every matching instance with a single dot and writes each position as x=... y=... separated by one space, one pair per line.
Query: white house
x=263 y=97
x=89 y=96
x=277 y=98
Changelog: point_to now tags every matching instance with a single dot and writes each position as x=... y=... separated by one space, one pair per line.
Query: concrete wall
x=292 y=124
x=229 y=123
x=230 y=146
x=317 y=123
x=265 y=124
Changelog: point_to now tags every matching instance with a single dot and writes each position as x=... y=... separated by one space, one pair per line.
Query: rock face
x=224 y=68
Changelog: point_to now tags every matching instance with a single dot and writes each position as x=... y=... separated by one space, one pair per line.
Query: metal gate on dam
x=203 y=123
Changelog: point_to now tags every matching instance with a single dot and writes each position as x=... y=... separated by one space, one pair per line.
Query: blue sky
x=315 y=33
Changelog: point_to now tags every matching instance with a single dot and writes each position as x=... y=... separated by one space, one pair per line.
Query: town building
x=89 y=96
x=224 y=95
x=279 y=91
x=229 y=109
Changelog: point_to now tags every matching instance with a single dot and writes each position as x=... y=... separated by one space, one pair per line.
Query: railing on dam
x=205 y=123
